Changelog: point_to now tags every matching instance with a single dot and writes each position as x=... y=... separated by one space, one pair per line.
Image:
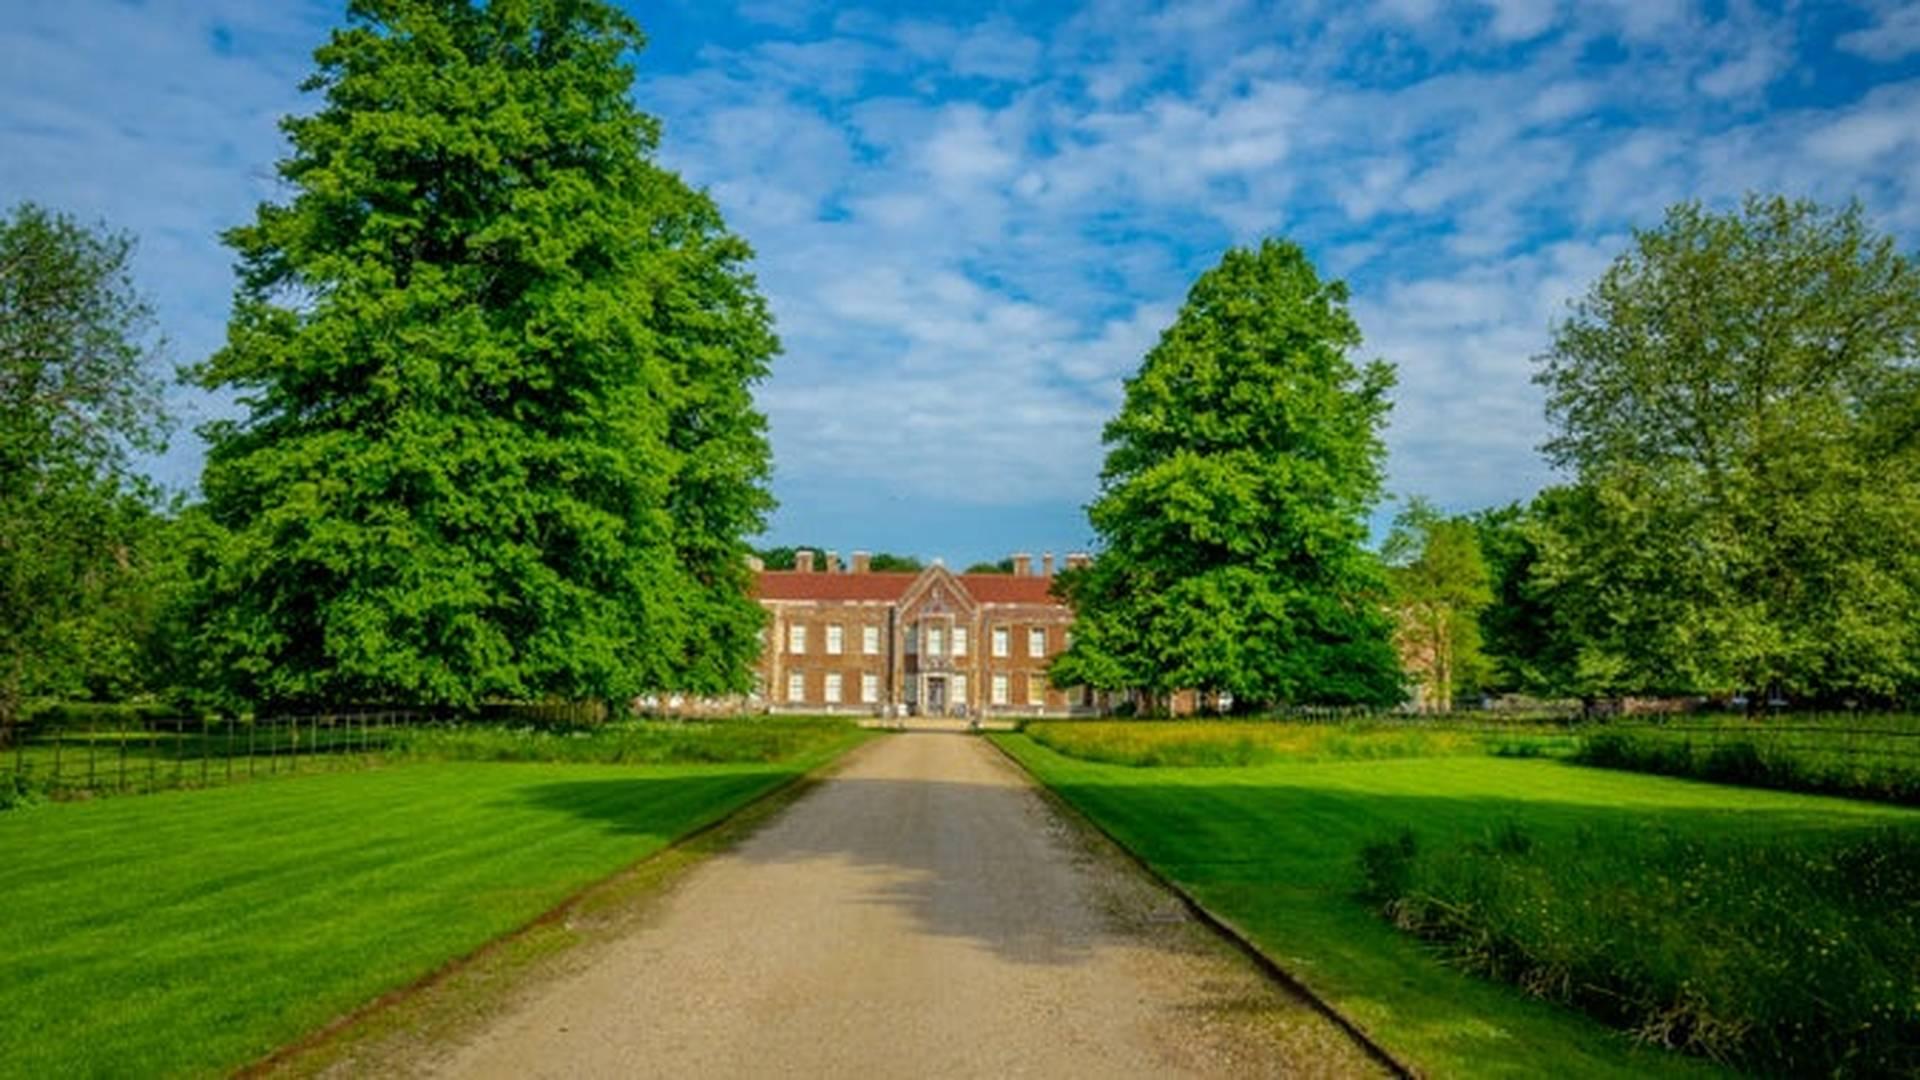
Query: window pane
x=870 y=640
x=834 y=639
x=959 y=641
x=833 y=689
x=796 y=687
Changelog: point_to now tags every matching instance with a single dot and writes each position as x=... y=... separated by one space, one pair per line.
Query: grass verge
x=1237 y=743
x=1854 y=761
x=1794 y=957
x=191 y=932
x=1274 y=849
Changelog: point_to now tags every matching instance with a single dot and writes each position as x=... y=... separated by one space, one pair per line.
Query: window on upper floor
x=797 y=639
x=836 y=637
x=870 y=640
x=1037 y=641
x=936 y=641
x=1001 y=641
x=959 y=641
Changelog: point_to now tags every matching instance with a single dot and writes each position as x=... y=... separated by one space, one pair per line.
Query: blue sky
x=973 y=219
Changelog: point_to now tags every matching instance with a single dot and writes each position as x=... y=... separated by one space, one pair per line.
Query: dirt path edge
x=718 y=835
x=1222 y=926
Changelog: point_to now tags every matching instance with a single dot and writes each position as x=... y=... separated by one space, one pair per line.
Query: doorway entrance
x=936 y=694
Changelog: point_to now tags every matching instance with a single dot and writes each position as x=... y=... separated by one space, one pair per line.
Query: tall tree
x=1737 y=396
x=499 y=441
x=1239 y=474
x=77 y=393
x=1440 y=587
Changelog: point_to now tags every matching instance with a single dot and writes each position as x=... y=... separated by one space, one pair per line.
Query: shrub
x=1883 y=765
x=1781 y=958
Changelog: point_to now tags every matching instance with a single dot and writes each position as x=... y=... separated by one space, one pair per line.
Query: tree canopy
x=496 y=362
x=1440 y=588
x=78 y=393
x=1739 y=399
x=1239 y=474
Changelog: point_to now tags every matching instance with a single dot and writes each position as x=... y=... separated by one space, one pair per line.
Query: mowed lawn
x=192 y=932
x=1274 y=848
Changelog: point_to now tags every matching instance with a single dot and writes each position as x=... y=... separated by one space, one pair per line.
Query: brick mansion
x=931 y=643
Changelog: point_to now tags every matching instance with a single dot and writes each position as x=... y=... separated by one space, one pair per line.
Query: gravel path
x=923 y=912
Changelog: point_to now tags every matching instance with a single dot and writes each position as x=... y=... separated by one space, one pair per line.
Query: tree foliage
x=1239 y=474
x=1440 y=588
x=1739 y=398
x=77 y=395
x=496 y=365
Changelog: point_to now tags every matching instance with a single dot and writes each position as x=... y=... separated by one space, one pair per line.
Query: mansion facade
x=928 y=643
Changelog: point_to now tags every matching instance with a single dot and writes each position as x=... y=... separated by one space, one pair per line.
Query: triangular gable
x=937 y=588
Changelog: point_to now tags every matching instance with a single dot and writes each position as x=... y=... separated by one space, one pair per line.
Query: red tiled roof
x=802 y=585
x=1008 y=589
x=890 y=585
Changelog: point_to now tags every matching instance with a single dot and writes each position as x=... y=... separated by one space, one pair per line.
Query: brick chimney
x=1046 y=564
x=862 y=562
x=833 y=562
x=803 y=561
x=1078 y=559
x=1022 y=565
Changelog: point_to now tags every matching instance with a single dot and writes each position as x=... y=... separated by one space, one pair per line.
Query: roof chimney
x=756 y=564
x=1046 y=564
x=862 y=562
x=1022 y=565
x=833 y=562
x=803 y=561
x=1078 y=559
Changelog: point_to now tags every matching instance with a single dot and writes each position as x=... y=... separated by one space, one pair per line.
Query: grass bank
x=1866 y=758
x=193 y=931
x=1230 y=743
x=1795 y=956
x=1275 y=848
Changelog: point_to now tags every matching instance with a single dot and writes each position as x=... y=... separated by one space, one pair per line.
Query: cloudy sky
x=972 y=219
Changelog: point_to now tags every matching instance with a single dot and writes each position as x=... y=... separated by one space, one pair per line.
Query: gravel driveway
x=923 y=912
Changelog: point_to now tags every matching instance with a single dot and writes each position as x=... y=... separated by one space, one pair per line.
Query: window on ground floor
x=959 y=689
x=1000 y=690
x=869 y=688
x=796 y=686
x=1036 y=689
x=833 y=688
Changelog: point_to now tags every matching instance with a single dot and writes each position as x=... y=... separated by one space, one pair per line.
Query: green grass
x=1866 y=757
x=1274 y=848
x=1797 y=956
x=101 y=753
x=189 y=932
x=1229 y=743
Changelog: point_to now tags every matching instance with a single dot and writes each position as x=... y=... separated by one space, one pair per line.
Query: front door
x=936 y=694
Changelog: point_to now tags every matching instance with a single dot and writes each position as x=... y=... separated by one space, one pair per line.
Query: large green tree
x=78 y=393
x=1232 y=514
x=496 y=364
x=1440 y=587
x=1739 y=399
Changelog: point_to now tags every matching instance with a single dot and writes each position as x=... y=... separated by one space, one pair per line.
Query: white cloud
x=1893 y=35
x=972 y=229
